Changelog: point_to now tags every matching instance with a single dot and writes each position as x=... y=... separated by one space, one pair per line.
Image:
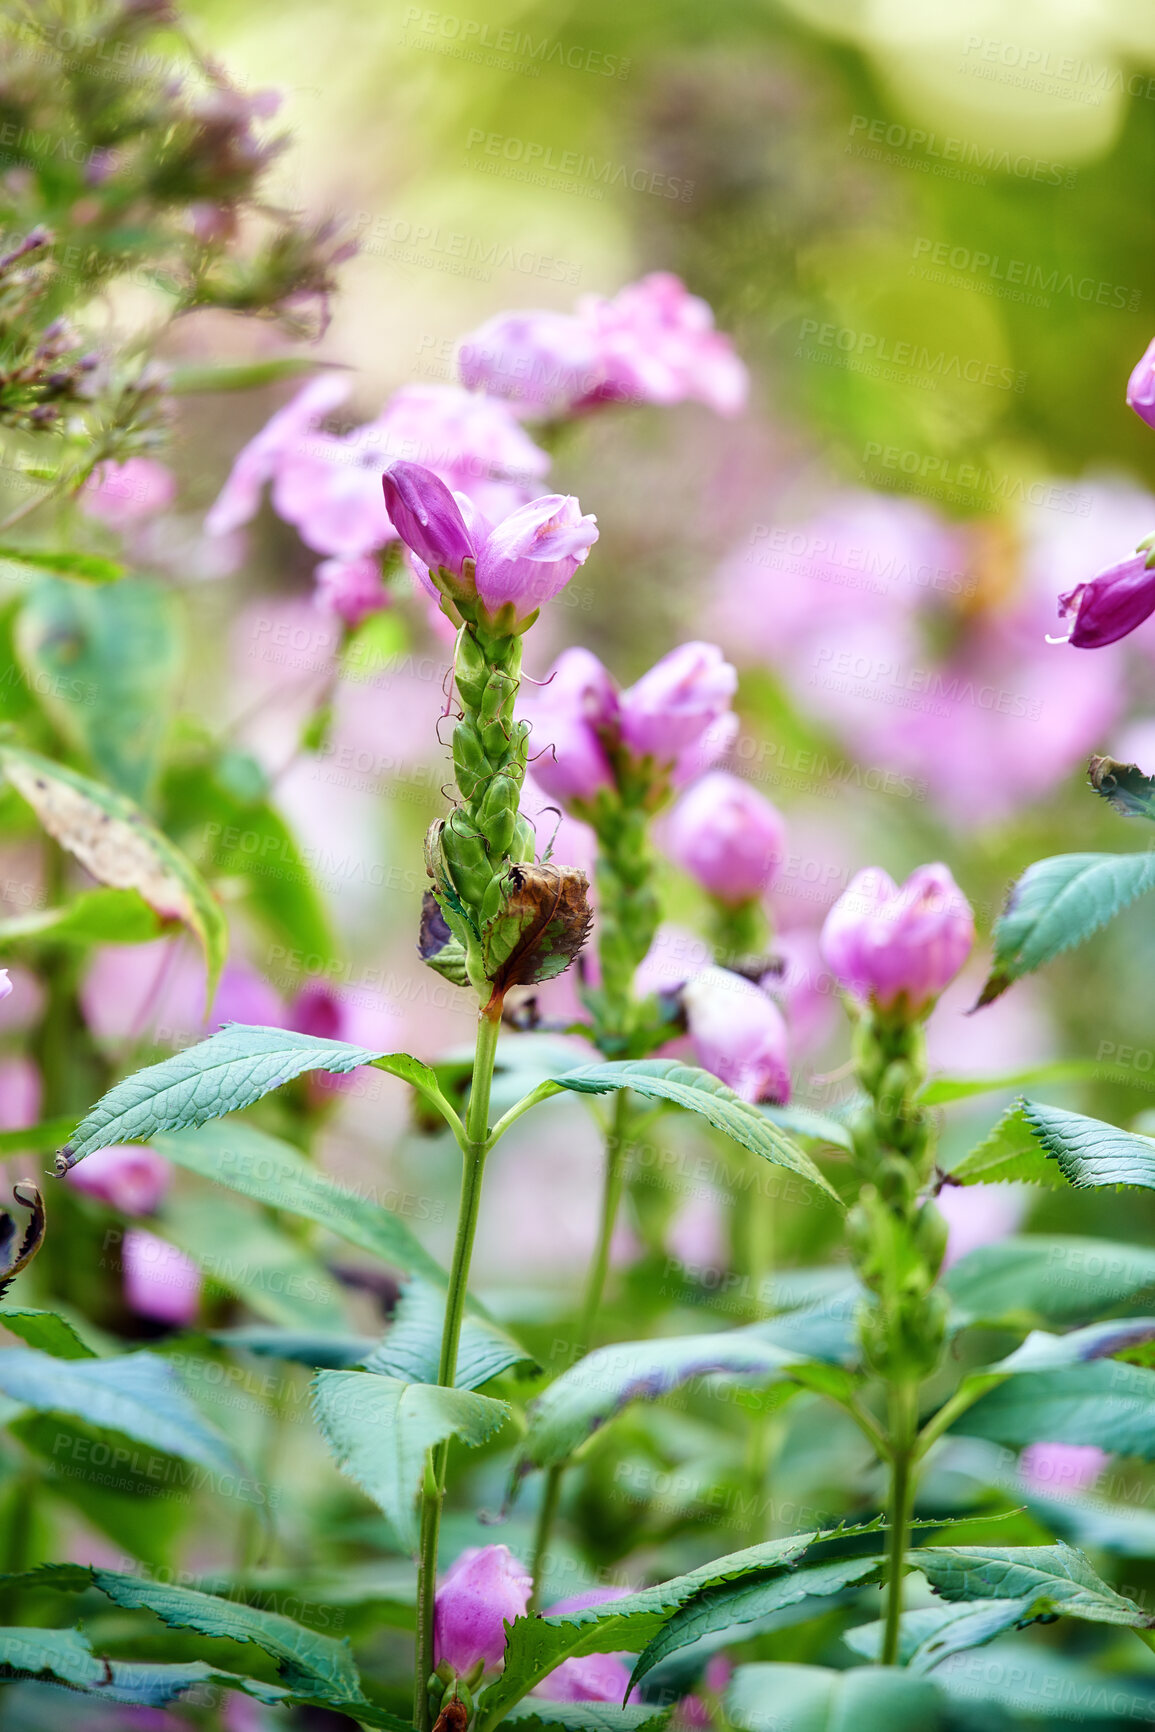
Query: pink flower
x=1112 y=605
x=482 y=1591
x=671 y=707
x=899 y=947
x=727 y=836
x=570 y=713
x=159 y=1281
x=658 y=344
x=979 y=1215
x=1061 y=1467
x=737 y=1032
x=259 y=460
x=5 y=983
x=120 y=493
x=1141 y=386
x=350 y=588
x=20 y=1092
x=592 y=1677
x=131 y=1178
x=543 y=362
x=521 y=562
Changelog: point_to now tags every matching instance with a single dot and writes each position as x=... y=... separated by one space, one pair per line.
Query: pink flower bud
x=159 y=1281
x=1060 y=1468
x=485 y=1589
x=531 y=556
x=592 y=1677
x=351 y=588
x=727 y=836
x=133 y=1179
x=1141 y=386
x=737 y=1032
x=427 y=517
x=542 y=362
x=1112 y=605
x=899 y=947
x=567 y=714
x=672 y=706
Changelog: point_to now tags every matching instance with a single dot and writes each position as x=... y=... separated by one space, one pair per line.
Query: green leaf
x=600 y=1385
x=942 y=1090
x=932 y=1634
x=699 y=1092
x=320 y=1349
x=789 y=1698
x=420 y=1076
x=66 y=1655
x=1011 y=1153
x=1053 y=1578
x=381 y=1431
x=104 y=664
x=1104 y=1402
x=730 y=1604
x=223 y=1074
x=239 y=376
x=114 y=840
x=1044 y=1352
x=1061 y=1279
x=538 y=1645
x=1089 y=1152
x=275 y=1275
x=138 y=1394
x=88 y=567
x=244 y=1159
x=93 y=917
x=35 y=1139
x=411 y=1350
x=1058 y=903
x=548 y=1716
x=45 y=1331
x=1037 y=1685
x=815 y=1127
x=1123 y=786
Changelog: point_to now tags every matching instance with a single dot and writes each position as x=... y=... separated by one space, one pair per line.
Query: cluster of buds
x=43 y=366
x=495 y=918
x=894 y=950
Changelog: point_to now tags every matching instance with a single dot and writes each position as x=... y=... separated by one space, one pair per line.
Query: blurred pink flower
x=20 y=1092
x=658 y=344
x=1059 y=1468
x=978 y=1215
x=593 y=1677
x=694 y=1711
x=667 y=711
x=131 y=1178
x=699 y=1233
x=542 y=362
x=159 y=1281
x=805 y=988
x=738 y=1033
x=1141 y=386
x=258 y=461
x=727 y=835
x=120 y=493
x=350 y=588
x=157 y=990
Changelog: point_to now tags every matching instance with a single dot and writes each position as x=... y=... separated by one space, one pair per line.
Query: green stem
x=474 y=1148
x=547 y=1512
x=903 y=1431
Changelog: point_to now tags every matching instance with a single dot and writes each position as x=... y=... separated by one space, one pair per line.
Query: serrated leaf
x=381 y=1430
x=546 y=1716
x=114 y=840
x=932 y=1634
x=46 y=1331
x=591 y=1392
x=1053 y=1578
x=93 y=917
x=243 y=1252
x=87 y=567
x=1089 y=1152
x=1062 y=1279
x=256 y=1165
x=699 y=1092
x=1104 y=1402
x=731 y=1604
x=66 y=1655
x=223 y=1074
x=1011 y=1153
x=790 y=1698
x=1056 y=904
x=411 y=1350
x=104 y=663
x=138 y=1394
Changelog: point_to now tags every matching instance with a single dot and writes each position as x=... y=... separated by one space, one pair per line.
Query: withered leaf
x=13 y=1256
x=436 y=944
x=540 y=927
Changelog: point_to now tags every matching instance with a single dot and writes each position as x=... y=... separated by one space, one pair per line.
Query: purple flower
x=657 y=344
x=522 y=561
x=159 y=1281
x=1112 y=605
x=899 y=947
x=258 y=461
x=727 y=836
x=1061 y=1467
x=737 y=1032
x=5 y=983
x=120 y=493
x=482 y=1591
x=1141 y=386
x=350 y=588
x=543 y=362
x=670 y=708
x=592 y=1677
x=133 y=1179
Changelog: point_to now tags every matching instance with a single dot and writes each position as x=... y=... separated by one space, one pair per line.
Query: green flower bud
x=470 y=764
